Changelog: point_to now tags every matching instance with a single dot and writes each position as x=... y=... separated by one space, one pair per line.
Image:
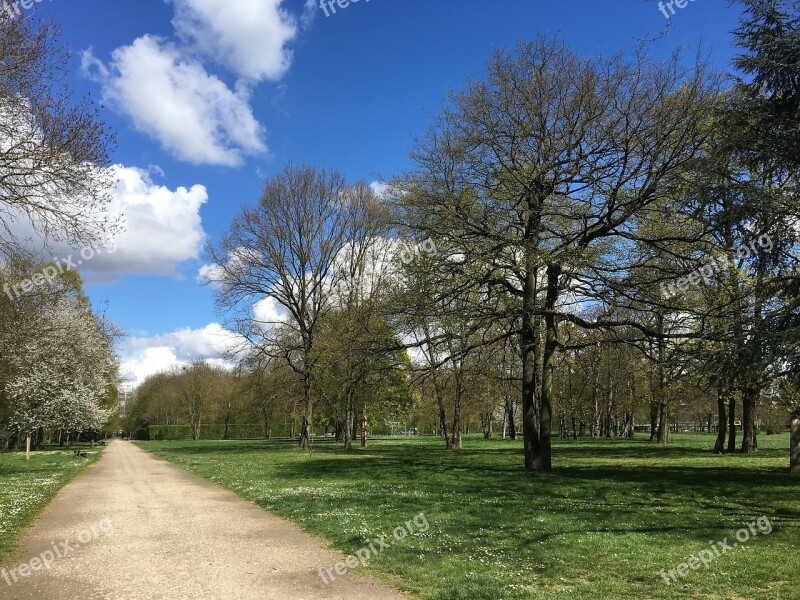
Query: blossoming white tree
x=62 y=365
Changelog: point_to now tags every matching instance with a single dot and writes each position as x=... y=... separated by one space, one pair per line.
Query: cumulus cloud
x=171 y=98
x=267 y=311
x=163 y=227
x=248 y=37
x=166 y=90
x=145 y=356
x=160 y=229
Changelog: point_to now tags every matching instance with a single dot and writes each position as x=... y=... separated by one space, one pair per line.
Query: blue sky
x=272 y=81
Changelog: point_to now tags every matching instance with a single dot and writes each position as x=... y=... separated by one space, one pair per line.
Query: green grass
x=27 y=487
x=601 y=526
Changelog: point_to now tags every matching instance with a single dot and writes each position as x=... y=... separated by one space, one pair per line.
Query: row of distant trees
x=204 y=401
x=603 y=390
x=58 y=368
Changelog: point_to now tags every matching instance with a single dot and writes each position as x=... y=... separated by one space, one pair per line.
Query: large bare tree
x=289 y=248
x=54 y=178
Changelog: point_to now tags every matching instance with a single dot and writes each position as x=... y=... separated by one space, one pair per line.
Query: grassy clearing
x=26 y=488
x=601 y=526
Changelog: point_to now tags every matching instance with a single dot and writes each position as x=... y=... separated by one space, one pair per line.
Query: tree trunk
x=539 y=454
x=308 y=415
x=195 y=429
x=28 y=446
x=732 y=424
x=349 y=422
x=663 y=422
x=509 y=416
x=596 y=424
x=663 y=401
x=627 y=430
x=486 y=425
x=653 y=420
x=528 y=341
x=227 y=423
x=458 y=370
x=530 y=412
x=267 y=428
x=722 y=400
x=443 y=425
x=455 y=439
x=595 y=399
x=795 y=447
x=749 y=398
x=364 y=427
x=610 y=406
x=442 y=415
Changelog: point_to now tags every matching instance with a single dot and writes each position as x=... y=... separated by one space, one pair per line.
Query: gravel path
x=135 y=527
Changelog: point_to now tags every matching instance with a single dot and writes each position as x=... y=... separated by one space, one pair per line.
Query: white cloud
x=267 y=311
x=249 y=37
x=145 y=356
x=168 y=93
x=380 y=189
x=140 y=365
x=163 y=228
x=194 y=115
x=208 y=275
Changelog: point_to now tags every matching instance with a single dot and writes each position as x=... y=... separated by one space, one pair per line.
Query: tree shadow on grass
x=670 y=495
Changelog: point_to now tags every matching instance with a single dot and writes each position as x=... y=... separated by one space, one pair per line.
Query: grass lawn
x=27 y=487
x=602 y=525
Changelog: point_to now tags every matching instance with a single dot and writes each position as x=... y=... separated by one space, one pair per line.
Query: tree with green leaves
x=751 y=184
x=529 y=183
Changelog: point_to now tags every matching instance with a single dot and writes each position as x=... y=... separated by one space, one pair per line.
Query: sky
x=210 y=98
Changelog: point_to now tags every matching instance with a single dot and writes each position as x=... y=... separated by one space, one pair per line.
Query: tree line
x=58 y=364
